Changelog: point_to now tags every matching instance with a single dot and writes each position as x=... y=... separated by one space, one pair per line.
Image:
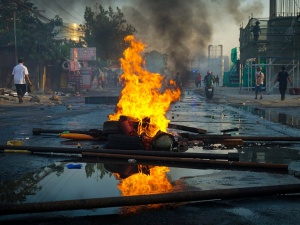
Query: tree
x=36 y=35
x=106 y=32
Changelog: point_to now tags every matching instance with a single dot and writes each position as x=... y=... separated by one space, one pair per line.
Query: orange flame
x=141 y=96
x=141 y=184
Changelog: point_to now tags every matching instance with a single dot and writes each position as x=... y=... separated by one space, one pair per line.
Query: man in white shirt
x=20 y=75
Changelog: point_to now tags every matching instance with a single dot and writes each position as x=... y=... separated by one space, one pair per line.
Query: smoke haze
x=181 y=29
x=184 y=29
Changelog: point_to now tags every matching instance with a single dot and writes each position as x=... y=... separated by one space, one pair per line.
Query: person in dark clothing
x=282 y=78
x=256 y=31
x=217 y=80
x=198 y=80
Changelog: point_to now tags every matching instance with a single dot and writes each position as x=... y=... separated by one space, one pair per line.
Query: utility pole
x=15 y=34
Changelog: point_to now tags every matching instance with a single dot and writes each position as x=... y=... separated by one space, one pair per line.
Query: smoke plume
x=184 y=29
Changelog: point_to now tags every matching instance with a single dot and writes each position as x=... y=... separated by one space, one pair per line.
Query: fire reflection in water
x=141 y=183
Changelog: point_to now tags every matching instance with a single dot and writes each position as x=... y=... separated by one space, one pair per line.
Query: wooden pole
x=187 y=196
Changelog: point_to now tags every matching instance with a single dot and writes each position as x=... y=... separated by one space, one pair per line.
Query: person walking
x=20 y=75
x=198 y=80
x=259 y=81
x=217 y=81
x=282 y=78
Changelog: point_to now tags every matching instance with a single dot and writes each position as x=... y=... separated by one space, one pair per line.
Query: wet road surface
x=28 y=178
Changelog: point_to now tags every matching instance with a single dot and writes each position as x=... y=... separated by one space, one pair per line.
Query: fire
x=141 y=184
x=143 y=100
x=142 y=95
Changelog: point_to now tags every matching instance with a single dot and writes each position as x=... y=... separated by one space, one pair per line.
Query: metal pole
x=244 y=138
x=128 y=153
x=188 y=196
x=219 y=163
x=38 y=131
x=15 y=35
x=200 y=136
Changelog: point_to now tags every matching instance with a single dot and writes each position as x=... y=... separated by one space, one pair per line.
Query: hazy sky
x=180 y=28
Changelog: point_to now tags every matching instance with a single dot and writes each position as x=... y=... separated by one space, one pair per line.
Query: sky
x=183 y=29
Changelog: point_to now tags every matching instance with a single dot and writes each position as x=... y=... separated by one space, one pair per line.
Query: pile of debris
x=124 y=134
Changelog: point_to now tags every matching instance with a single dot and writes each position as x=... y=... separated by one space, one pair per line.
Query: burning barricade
x=139 y=120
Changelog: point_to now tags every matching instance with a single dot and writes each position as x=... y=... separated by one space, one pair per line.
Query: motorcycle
x=209 y=86
x=209 y=91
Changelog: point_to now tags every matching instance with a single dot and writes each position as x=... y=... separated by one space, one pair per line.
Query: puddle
x=57 y=182
x=277 y=155
x=274 y=115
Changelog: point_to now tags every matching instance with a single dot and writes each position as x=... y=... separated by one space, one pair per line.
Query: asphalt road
x=17 y=123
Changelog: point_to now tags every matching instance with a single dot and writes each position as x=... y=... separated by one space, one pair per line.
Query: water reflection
x=268 y=155
x=56 y=182
x=273 y=115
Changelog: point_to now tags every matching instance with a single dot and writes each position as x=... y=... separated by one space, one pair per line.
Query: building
x=216 y=61
x=277 y=43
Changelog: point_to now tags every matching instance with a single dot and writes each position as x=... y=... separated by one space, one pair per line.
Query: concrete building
x=277 y=43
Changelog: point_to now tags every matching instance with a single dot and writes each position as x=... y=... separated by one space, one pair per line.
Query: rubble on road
x=8 y=97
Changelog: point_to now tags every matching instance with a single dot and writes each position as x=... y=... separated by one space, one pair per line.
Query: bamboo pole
x=230 y=156
x=220 y=163
x=200 y=136
x=188 y=196
x=244 y=138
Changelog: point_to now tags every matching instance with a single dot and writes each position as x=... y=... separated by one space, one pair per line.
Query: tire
x=123 y=141
x=209 y=94
x=162 y=142
x=111 y=127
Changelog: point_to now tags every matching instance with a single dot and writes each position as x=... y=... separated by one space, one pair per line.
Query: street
x=29 y=178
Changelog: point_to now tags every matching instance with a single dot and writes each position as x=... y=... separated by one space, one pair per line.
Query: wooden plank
x=185 y=128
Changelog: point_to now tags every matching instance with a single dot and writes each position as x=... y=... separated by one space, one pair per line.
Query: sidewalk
x=237 y=96
x=232 y=95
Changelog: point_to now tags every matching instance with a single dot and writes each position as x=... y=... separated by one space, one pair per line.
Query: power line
x=36 y=13
x=59 y=6
x=48 y=7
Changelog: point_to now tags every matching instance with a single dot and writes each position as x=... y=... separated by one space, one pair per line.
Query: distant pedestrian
x=256 y=31
x=198 y=80
x=209 y=79
x=282 y=78
x=259 y=81
x=20 y=75
x=217 y=80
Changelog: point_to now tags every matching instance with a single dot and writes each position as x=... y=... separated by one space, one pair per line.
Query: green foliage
x=106 y=31
x=36 y=36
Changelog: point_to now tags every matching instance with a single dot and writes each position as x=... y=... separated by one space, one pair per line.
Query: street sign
x=86 y=54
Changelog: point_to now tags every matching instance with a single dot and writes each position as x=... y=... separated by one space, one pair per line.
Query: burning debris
x=143 y=102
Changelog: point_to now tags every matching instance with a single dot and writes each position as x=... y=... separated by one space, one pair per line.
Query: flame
x=142 y=95
x=142 y=184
